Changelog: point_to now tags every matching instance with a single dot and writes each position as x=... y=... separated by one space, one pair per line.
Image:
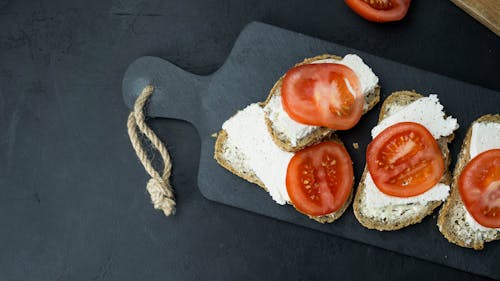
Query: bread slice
x=451 y=219
x=228 y=156
x=320 y=132
x=399 y=216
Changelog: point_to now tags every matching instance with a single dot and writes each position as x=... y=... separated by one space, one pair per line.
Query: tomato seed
x=379 y=4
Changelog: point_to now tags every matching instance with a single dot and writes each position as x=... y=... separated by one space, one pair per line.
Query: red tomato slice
x=380 y=10
x=479 y=186
x=323 y=94
x=319 y=178
x=405 y=160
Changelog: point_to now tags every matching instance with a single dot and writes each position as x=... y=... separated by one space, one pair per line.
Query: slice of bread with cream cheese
x=291 y=135
x=454 y=221
x=245 y=147
x=377 y=210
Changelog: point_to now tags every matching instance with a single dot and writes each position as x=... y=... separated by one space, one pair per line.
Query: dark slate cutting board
x=261 y=54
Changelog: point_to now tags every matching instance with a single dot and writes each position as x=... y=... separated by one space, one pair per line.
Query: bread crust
x=453 y=208
x=401 y=98
x=320 y=132
x=220 y=147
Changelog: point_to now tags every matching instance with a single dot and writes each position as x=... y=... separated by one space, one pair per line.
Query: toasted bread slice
x=451 y=219
x=398 y=216
x=282 y=140
x=229 y=157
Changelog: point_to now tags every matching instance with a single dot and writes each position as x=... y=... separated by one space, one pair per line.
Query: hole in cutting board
x=184 y=145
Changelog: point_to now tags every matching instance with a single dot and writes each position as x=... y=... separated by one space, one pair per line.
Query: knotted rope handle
x=159 y=188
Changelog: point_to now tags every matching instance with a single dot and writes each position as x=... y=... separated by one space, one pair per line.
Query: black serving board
x=261 y=54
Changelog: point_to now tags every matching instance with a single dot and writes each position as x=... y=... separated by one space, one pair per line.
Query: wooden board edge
x=483 y=20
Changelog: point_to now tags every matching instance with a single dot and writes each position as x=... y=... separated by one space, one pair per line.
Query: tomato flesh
x=404 y=160
x=319 y=178
x=380 y=10
x=323 y=94
x=479 y=186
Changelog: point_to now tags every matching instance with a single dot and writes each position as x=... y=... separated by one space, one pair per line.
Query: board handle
x=176 y=92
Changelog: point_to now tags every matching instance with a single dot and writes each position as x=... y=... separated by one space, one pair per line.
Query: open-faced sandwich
x=302 y=108
x=406 y=176
x=471 y=215
x=304 y=165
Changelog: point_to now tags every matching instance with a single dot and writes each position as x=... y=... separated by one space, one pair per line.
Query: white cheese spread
x=377 y=199
x=293 y=130
x=248 y=132
x=427 y=111
x=485 y=136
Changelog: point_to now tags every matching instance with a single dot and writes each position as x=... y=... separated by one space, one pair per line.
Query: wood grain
x=486 y=12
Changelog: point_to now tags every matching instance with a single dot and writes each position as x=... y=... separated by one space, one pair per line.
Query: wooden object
x=486 y=12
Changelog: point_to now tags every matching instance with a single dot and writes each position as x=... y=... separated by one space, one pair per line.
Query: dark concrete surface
x=73 y=204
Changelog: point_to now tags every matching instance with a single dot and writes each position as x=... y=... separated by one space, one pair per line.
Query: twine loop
x=159 y=188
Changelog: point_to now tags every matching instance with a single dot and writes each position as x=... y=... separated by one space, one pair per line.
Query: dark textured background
x=73 y=204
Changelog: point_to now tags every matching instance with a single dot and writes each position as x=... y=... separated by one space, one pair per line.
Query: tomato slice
x=405 y=160
x=319 y=178
x=479 y=186
x=380 y=10
x=323 y=94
